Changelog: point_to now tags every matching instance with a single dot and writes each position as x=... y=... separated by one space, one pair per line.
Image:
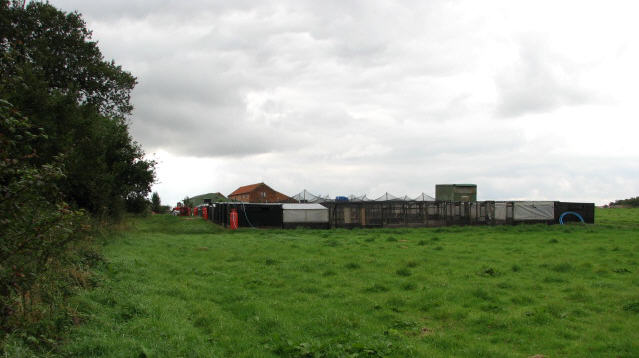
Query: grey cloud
x=138 y=9
x=350 y=97
x=539 y=83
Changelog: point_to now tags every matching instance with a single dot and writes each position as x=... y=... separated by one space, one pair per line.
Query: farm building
x=456 y=192
x=259 y=193
x=313 y=211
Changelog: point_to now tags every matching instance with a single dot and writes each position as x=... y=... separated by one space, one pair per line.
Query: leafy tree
x=632 y=202
x=187 y=202
x=156 y=204
x=54 y=73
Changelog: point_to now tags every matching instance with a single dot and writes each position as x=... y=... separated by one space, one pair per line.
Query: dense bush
x=43 y=239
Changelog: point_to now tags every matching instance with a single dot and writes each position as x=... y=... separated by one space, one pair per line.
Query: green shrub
x=44 y=251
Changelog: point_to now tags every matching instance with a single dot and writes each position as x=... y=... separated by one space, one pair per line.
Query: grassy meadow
x=175 y=287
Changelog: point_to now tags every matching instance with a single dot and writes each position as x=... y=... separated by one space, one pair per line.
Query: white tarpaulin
x=534 y=210
x=304 y=213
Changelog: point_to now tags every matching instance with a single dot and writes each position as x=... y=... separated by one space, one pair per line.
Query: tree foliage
x=632 y=202
x=156 y=203
x=65 y=152
x=187 y=202
x=55 y=74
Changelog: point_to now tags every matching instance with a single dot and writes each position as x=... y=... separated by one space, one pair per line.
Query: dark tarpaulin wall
x=586 y=210
x=249 y=215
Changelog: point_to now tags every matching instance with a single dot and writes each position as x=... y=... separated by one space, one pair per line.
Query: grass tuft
x=489 y=271
x=621 y=270
x=562 y=267
x=377 y=288
x=515 y=268
x=270 y=262
x=352 y=265
x=632 y=307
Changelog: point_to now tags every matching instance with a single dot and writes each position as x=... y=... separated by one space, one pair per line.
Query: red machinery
x=181 y=210
x=233 y=219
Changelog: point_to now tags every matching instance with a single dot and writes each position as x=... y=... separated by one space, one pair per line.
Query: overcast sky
x=527 y=99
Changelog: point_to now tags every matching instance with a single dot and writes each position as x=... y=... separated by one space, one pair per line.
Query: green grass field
x=175 y=287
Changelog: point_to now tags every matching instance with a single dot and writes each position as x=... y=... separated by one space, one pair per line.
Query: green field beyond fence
x=176 y=287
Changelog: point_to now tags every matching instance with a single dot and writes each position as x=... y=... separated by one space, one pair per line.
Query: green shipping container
x=456 y=192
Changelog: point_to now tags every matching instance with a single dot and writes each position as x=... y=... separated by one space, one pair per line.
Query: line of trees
x=66 y=160
x=631 y=202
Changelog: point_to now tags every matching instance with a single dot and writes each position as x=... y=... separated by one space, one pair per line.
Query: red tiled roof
x=246 y=189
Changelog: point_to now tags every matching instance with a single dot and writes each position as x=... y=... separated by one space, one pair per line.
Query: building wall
x=456 y=192
x=261 y=194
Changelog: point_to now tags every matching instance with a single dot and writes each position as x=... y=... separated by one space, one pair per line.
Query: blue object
x=341 y=198
x=561 y=217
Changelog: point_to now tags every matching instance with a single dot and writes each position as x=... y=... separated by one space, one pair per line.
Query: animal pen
x=400 y=213
x=446 y=213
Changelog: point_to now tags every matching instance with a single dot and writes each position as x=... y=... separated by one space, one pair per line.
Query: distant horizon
x=374 y=197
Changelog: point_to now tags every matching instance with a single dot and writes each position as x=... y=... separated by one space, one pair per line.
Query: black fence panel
x=249 y=215
x=585 y=210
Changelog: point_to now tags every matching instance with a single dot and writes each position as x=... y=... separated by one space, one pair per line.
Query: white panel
x=303 y=207
x=534 y=210
x=293 y=216
x=317 y=216
x=500 y=211
x=305 y=216
x=474 y=210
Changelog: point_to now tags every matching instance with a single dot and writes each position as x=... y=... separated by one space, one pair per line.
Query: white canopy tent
x=388 y=197
x=424 y=197
x=307 y=197
x=358 y=198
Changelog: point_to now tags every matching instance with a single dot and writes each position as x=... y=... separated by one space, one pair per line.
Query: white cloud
x=528 y=100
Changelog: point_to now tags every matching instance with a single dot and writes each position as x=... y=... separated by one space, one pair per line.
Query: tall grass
x=174 y=287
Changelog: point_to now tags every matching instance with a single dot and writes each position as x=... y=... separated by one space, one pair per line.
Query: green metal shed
x=456 y=192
